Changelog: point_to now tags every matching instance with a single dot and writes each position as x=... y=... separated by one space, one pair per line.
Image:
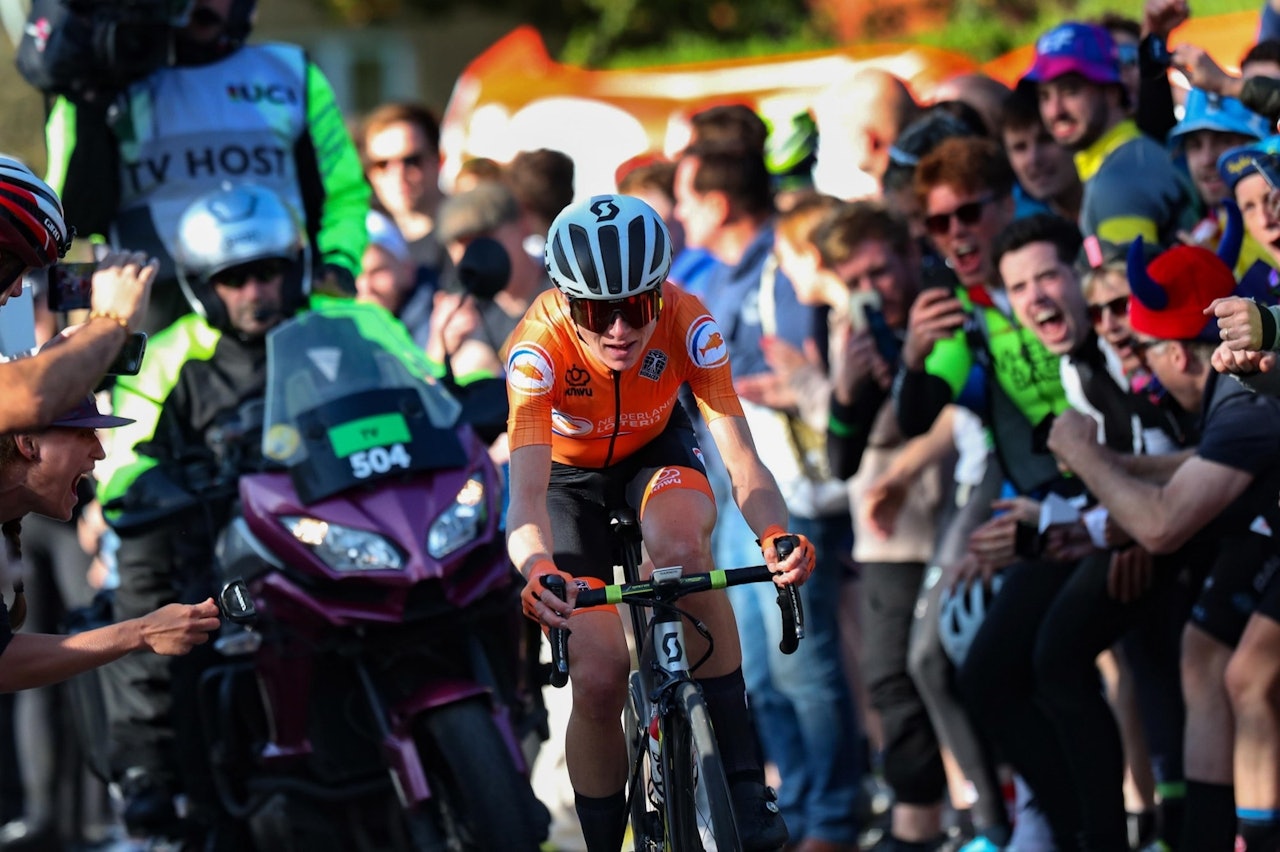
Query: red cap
x=1171 y=293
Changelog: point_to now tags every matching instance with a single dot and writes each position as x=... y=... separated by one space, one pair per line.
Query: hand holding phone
x=861 y=301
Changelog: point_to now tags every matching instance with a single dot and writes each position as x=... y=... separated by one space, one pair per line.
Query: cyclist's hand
x=540 y=603
x=797 y=567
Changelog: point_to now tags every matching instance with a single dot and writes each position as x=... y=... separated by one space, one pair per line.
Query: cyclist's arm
x=754 y=488
x=40 y=388
x=528 y=521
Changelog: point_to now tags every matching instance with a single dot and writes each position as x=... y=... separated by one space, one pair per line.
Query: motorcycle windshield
x=350 y=400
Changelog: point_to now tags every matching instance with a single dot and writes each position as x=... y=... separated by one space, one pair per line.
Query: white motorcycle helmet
x=961 y=613
x=232 y=226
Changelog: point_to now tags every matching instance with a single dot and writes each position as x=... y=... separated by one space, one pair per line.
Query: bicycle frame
x=663 y=682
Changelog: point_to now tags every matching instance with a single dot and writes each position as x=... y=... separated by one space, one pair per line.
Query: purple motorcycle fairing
x=401 y=509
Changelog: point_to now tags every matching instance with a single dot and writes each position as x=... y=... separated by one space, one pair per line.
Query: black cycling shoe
x=148 y=807
x=760 y=824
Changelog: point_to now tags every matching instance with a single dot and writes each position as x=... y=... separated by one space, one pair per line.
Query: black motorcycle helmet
x=231 y=226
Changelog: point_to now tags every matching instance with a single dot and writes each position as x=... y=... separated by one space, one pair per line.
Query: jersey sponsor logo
x=210 y=161
x=666 y=478
x=706 y=344
x=577 y=379
x=529 y=369
x=697 y=453
x=256 y=93
x=633 y=420
x=655 y=361
x=568 y=425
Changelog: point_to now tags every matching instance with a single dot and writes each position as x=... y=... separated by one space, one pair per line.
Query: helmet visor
x=597 y=315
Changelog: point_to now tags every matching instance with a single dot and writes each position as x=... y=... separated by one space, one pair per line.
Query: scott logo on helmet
x=605 y=209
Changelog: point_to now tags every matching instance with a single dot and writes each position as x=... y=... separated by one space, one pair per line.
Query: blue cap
x=1076 y=48
x=1209 y=111
x=1236 y=164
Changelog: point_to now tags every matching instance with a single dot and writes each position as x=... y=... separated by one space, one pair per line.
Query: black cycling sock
x=1259 y=829
x=726 y=697
x=1172 y=814
x=603 y=821
x=1210 y=817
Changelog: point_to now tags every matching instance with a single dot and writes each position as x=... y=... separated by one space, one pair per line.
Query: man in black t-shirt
x=1224 y=492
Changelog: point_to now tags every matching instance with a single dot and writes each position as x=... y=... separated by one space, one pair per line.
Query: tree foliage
x=594 y=30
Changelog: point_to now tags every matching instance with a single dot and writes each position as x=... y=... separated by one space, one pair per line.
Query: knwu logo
x=256 y=93
x=577 y=379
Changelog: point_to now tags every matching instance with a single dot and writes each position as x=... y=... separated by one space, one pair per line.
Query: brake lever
x=558 y=636
x=789 y=600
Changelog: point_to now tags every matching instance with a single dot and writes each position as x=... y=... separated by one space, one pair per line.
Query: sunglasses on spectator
x=968 y=214
x=259 y=270
x=1117 y=307
x=408 y=161
x=596 y=316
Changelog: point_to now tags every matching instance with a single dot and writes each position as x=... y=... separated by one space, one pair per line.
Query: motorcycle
x=375 y=685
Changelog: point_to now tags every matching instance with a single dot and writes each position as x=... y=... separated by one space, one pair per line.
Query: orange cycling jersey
x=593 y=417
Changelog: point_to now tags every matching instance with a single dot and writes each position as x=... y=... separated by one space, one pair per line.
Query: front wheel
x=482 y=801
x=698 y=805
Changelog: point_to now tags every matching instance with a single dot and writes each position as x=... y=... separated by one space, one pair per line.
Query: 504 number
x=366 y=463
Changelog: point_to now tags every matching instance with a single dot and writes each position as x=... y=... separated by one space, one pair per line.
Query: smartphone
x=1266 y=166
x=860 y=301
x=936 y=275
x=1027 y=541
x=129 y=361
x=887 y=343
x=71 y=286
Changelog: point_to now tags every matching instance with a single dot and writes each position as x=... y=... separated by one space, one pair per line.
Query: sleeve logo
x=707 y=347
x=529 y=369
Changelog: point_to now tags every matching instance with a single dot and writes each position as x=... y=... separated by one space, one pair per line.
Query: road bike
x=677 y=797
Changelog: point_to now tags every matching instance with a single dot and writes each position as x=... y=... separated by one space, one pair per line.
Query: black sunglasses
x=259 y=270
x=596 y=316
x=408 y=161
x=968 y=214
x=1117 y=307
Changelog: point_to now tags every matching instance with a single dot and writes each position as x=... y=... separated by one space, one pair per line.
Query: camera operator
x=129 y=163
x=33 y=235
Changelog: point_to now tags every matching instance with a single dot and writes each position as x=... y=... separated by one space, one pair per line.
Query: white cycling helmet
x=608 y=247
x=960 y=615
x=32 y=224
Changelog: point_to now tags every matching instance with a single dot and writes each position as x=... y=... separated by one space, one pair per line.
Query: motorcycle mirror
x=485 y=268
x=236 y=604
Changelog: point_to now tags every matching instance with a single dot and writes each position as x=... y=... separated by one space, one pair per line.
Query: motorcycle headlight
x=460 y=523
x=343 y=548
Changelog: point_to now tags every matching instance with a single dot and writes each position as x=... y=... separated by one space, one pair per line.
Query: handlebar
x=646 y=592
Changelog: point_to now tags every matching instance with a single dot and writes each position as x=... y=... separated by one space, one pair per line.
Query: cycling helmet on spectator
x=791 y=150
x=961 y=614
x=33 y=230
x=608 y=247
x=233 y=226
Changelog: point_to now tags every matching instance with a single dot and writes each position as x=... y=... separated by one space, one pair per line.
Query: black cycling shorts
x=1243 y=580
x=580 y=500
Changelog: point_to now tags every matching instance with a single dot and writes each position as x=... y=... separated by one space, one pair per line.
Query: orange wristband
x=772 y=531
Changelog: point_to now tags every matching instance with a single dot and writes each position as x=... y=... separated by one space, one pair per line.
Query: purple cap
x=85 y=415
x=1075 y=48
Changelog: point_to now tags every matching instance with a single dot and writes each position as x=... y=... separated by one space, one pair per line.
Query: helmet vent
x=611 y=259
x=581 y=241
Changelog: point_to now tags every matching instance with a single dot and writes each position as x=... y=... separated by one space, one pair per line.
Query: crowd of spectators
x=1022 y=398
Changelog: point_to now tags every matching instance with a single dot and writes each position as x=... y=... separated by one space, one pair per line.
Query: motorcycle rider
x=243 y=268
